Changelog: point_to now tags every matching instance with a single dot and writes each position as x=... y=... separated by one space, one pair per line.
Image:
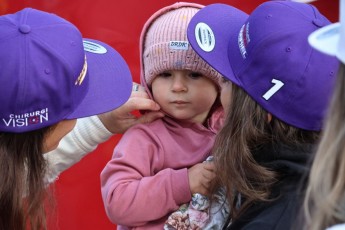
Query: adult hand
x=200 y=177
x=122 y=118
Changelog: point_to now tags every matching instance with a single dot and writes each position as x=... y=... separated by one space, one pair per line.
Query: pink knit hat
x=166 y=46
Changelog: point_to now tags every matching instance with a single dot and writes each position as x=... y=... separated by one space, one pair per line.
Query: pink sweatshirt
x=147 y=179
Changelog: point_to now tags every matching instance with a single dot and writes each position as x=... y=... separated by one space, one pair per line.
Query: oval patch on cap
x=93 y=47
x=204 y=37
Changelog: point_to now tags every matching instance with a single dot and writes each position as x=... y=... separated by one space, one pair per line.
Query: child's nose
x=179 y=84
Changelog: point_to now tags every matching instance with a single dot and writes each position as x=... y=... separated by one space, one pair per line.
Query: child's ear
x=269 y=117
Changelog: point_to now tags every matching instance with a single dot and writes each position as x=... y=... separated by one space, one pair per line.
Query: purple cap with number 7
x=268 y=55
x=49 y=73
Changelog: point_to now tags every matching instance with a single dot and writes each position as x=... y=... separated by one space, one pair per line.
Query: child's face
x=225 y=93
x=184 y=95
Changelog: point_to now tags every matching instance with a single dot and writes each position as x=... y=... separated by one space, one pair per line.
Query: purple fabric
x=41 y=58
x=268 y=55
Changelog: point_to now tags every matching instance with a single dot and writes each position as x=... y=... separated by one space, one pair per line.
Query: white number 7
x=277 y=85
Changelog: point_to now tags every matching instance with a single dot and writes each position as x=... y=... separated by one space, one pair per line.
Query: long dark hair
x=246 y=128
x=22 y=189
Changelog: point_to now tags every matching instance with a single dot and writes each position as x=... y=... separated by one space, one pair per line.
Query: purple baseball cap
x=268 y=55
x=49 y=73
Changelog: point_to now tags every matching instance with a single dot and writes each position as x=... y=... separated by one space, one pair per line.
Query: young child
x=324 y=203
x=275 y=94
x=156 y=167
x=49 y=77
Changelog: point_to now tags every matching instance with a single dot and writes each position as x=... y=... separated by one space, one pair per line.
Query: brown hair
x=22 y=190
x=246 y=129
x=325 y=200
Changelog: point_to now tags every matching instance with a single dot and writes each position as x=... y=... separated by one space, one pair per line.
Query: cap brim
x=110 y=81
x=326 y=39
x=210 y=31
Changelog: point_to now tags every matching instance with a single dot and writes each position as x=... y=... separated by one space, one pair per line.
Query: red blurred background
x=118 y=23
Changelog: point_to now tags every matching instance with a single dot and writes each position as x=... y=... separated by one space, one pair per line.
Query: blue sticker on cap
x=93 y=47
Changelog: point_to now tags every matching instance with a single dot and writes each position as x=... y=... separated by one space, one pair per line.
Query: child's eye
x=195 y=75
x=164 y=74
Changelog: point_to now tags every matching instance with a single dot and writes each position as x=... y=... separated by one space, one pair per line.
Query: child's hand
x=200 y=177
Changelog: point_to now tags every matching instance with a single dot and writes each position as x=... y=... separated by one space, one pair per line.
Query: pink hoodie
x=147 y=178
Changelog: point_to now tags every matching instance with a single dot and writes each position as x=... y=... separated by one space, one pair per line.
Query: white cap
x=331 y=39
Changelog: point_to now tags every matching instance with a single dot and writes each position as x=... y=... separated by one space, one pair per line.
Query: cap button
x=24 y=29
x=319 y=23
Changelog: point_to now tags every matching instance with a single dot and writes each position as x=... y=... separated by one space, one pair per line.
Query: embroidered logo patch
x=178 y=45
x=26 y=119
x=243 y=40
x=82 y=74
